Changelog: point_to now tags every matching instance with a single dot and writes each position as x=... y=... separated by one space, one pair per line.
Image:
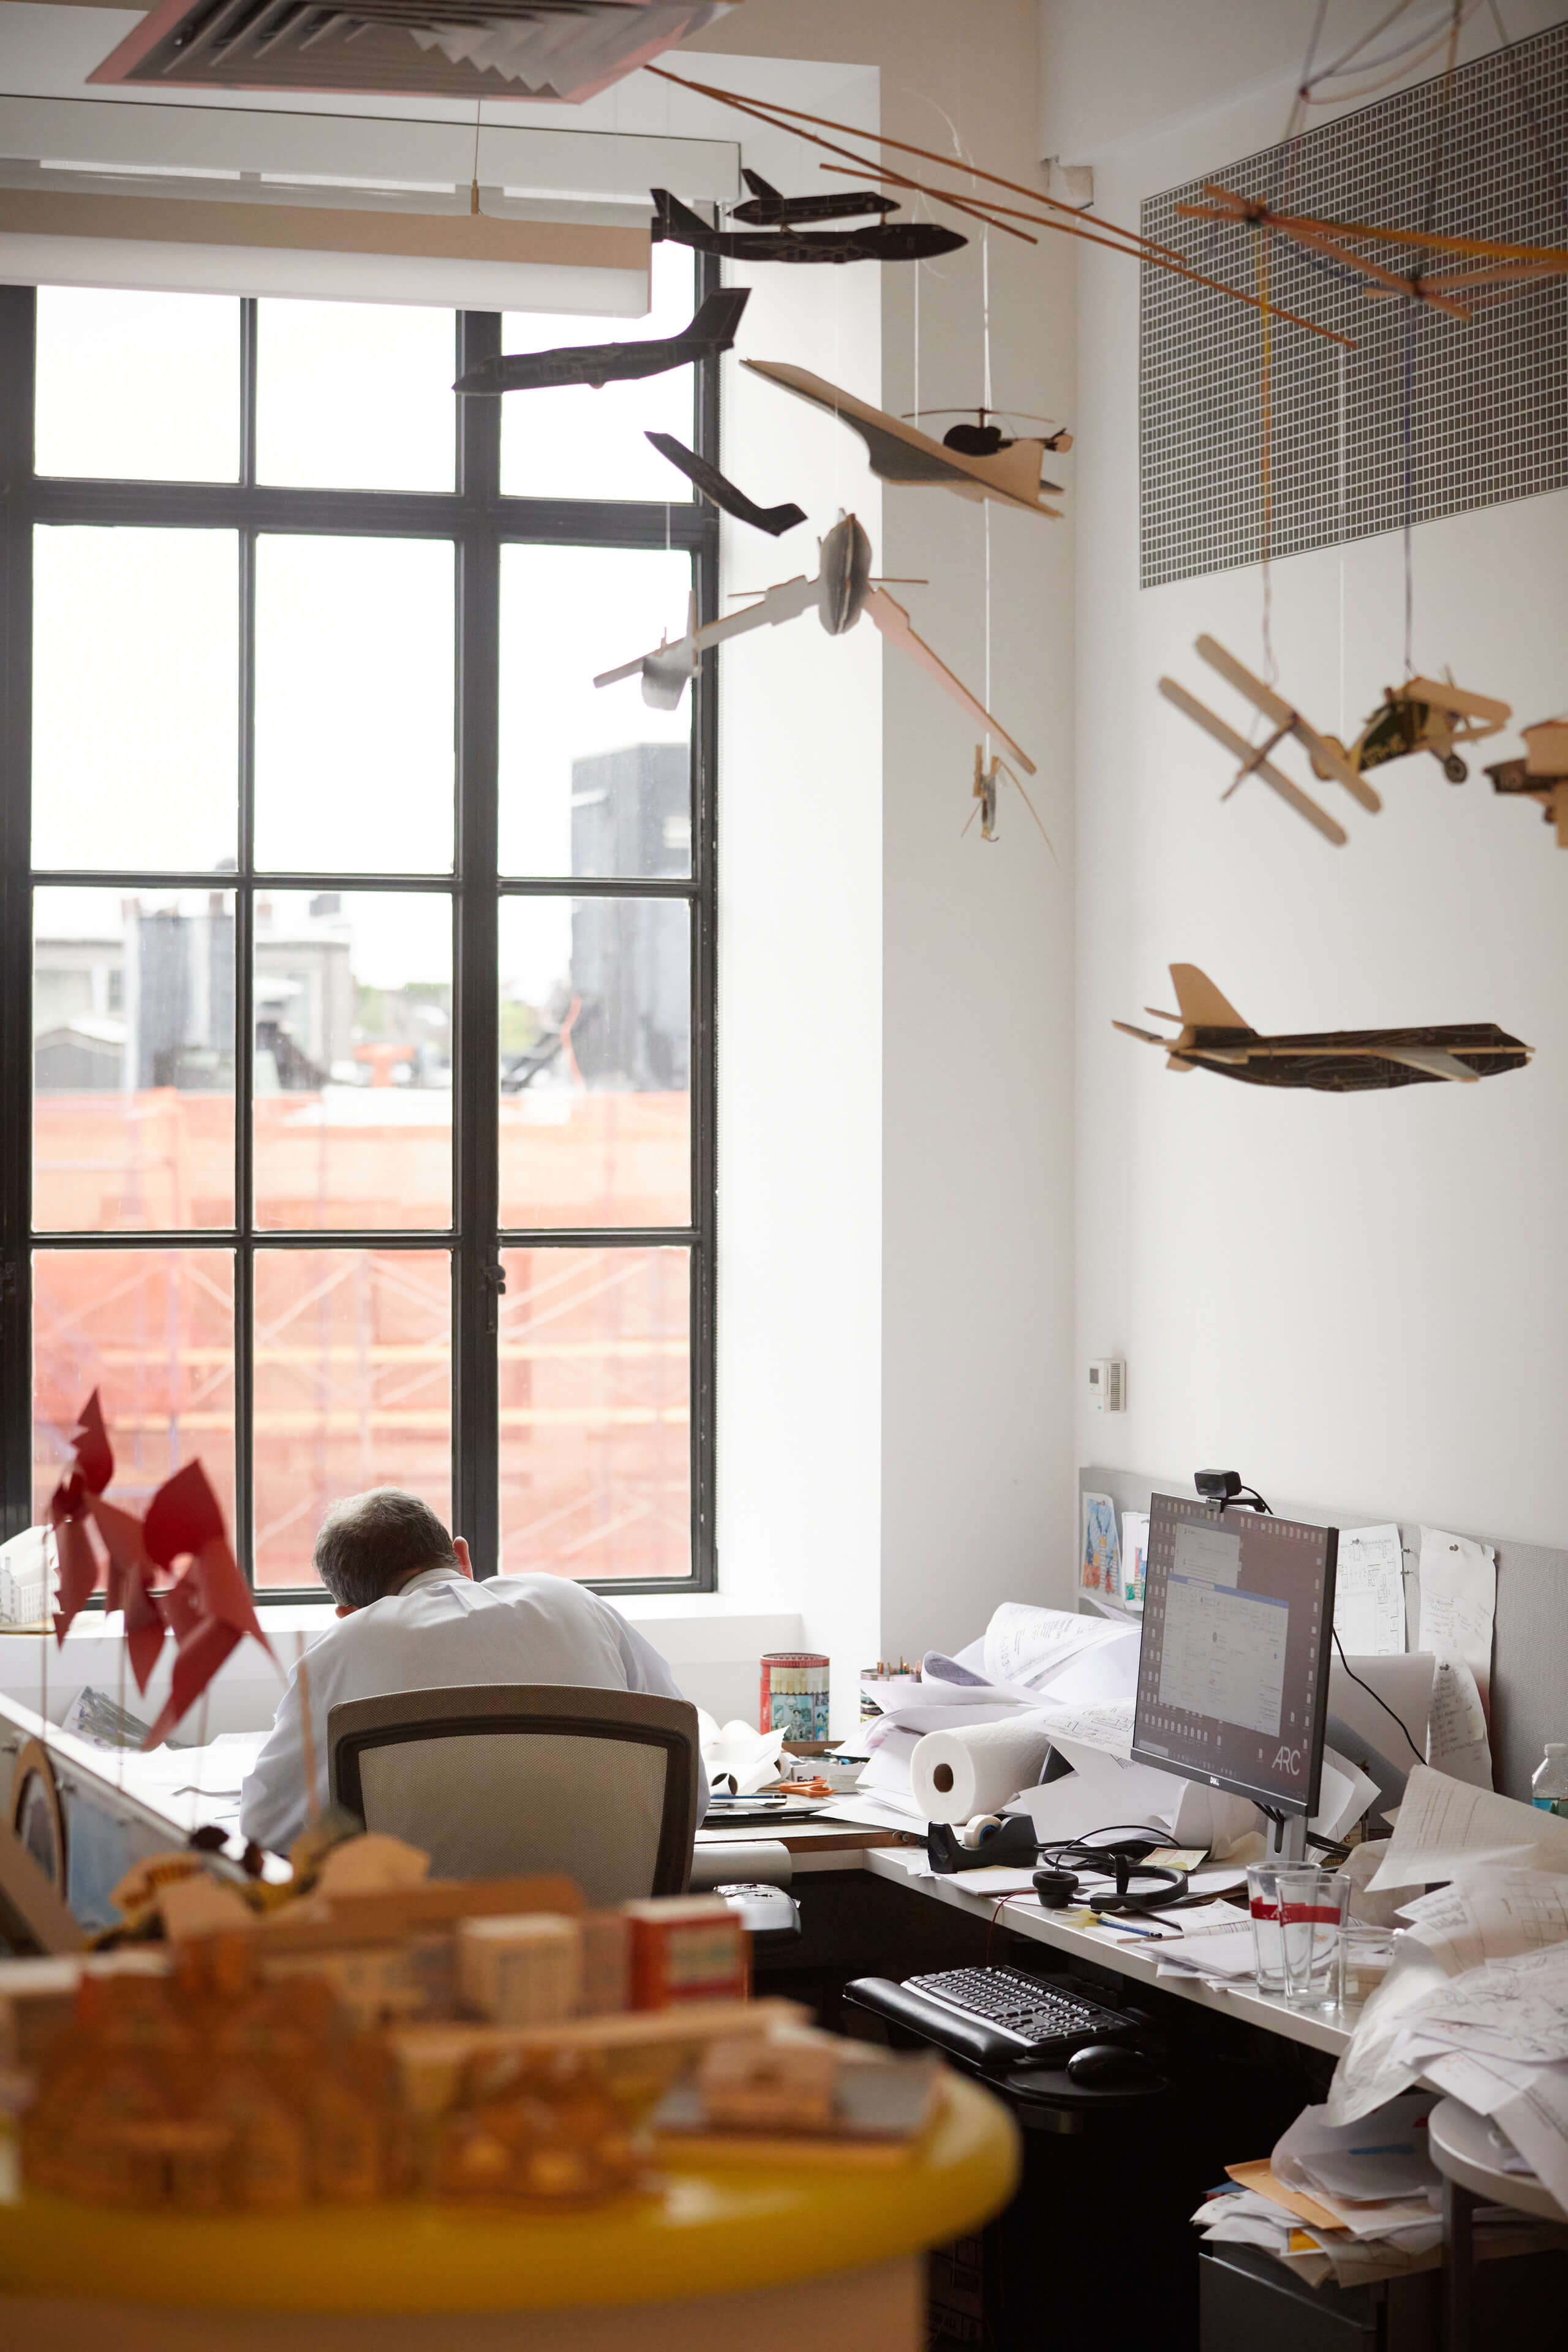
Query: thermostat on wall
x=1108 y=1384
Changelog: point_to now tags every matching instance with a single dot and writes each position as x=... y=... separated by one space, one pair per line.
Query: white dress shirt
x=442 y=1628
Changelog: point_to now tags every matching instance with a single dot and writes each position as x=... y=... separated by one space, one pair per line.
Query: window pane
x=595 y=1458
x=135 y=698
x=592 y=780
x=354 y=1390
x=153 y=1330
x=133 y=1059
x=138 y=387
x=355 y=396
x=353 y=1059
x=571 y=441
x=595 y=1055
x=354 y=706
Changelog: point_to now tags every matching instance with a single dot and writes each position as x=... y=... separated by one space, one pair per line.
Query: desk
x=1462 y=2151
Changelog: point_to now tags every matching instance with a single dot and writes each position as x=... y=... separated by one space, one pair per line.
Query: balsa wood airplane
x=887 y=241
x=765 y=208
x=842 y=590
x=712 y=330
x=901 y=451
x=1541 y=774
x=1423 y=714
x=1327 y=756
x=1214 y=1036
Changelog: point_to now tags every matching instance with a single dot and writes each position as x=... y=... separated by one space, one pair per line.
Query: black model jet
x=765 y=208
x=887 y=241
x=712 y=331
x=1214 y=1036
x=723 y=493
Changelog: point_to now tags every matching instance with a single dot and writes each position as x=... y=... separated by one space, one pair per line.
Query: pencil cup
x=1313 y=1904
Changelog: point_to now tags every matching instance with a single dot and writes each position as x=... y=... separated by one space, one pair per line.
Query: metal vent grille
x=1487 y=402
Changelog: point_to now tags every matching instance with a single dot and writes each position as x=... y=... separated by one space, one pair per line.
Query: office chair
x=507 y=1779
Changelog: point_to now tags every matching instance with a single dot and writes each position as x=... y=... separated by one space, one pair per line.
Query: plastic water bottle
x=1549 y=1789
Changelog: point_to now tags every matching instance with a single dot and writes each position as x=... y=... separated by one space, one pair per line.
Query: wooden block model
x=520 y=1971
x=774 y=2086
x=606 y=1949
x=687 y=1947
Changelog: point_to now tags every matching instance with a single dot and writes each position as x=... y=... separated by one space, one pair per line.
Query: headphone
x=1123 y=1855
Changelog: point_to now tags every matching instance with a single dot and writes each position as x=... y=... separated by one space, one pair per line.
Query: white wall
x=1339 y=1295
x=963 y=1501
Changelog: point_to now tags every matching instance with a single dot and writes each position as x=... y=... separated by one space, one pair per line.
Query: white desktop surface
x=1462 y=2150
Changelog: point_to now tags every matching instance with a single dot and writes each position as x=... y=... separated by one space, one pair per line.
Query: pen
x=1146 y=1935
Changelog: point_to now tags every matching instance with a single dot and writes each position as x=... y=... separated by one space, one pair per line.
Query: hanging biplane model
x=712 y=330
x=1214 y=1036
x=900 y=452
x=1423 y=714
x=1328 y=759
x=765 y=208
x=1541 y=774
x=718 y=487
x=887 y=241
x=842 y=590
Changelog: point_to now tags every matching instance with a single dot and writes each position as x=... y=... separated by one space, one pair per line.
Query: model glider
x=1214 y=1036
x=714 y=485
x=901 y=451
x=1543 y=773
x=765 y=208
x=842 y=590
x=1327 y=756
x=712 y=331
x=887 y=241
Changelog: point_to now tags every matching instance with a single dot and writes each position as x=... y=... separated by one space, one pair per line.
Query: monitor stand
x=1286 y=1838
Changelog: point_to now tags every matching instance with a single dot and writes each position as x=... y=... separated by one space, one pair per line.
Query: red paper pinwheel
x=71 y=1505
x=131 y=1576
x=209 y=1611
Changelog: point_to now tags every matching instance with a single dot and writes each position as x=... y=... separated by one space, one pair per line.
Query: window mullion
x=17 y=335
x=243 y=1044
x=475 y=1057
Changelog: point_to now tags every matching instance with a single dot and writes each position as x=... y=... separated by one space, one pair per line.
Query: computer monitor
x=1238 y=1612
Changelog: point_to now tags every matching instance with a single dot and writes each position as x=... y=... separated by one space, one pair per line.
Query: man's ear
x=461 y=1547
x=344 y=1610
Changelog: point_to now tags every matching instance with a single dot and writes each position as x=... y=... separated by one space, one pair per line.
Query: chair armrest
x=767 y=1864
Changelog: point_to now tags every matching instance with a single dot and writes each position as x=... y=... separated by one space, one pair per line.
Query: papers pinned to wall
x=1134 y=1556
x=1458 y=1601
x=1369 y=1592
x=1100 y=1558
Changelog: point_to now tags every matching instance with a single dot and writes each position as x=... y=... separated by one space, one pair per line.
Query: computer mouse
x=1107 y=2066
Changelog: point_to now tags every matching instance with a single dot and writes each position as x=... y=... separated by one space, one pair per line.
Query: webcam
x=1222 y=1486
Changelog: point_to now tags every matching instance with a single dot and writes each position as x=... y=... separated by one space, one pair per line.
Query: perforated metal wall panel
x=1472 y=414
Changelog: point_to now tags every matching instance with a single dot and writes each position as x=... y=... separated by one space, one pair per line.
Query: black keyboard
x=1021 y=2007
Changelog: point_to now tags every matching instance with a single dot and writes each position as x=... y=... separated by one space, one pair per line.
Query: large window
x=356 y=1001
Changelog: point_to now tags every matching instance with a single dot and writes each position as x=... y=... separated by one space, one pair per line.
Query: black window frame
x=478 y=520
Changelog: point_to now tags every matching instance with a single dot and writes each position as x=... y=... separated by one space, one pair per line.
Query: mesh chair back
x=503 y=1779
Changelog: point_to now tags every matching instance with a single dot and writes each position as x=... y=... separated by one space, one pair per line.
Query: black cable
x=1380 y=1702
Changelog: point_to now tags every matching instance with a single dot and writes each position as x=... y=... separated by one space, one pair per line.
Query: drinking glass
x=1312 y=1907
x=1263 y=1902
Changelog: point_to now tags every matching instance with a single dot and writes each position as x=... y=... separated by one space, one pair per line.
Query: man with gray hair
x=415 y=1618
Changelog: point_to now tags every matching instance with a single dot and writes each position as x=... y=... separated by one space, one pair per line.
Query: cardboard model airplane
x=765 y=208
x=712 y=330
x=842 y=590
x=901 y=451
x=1214 y=1036
x=1326 y=755
x=1423 y=715
x=887 y=241
x=1541 y=774
x=716 y=486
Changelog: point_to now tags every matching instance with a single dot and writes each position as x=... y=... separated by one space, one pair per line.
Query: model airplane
x=1328 y=757
x=1214 y=1036
x=1543 y=773
x=842 y=590
x=712 y=331
x=887 y=241
x=901 y=451
x=716 y=486
x=988 y=776
x=1423 y=714
x=765 y=208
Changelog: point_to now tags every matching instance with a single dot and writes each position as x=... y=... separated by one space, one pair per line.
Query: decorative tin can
x=793 y=1697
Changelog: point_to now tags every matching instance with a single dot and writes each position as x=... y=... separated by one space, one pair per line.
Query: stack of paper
x=1354 y=2203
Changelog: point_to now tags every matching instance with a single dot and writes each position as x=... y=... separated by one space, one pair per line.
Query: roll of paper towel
x=976 y=1767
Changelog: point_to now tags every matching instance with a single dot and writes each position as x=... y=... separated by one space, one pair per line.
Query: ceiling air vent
x=561 y=50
